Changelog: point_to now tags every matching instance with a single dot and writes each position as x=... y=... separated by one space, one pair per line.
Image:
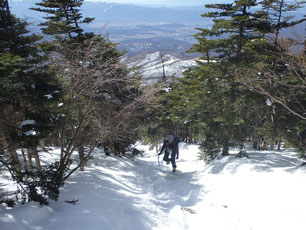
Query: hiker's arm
x=163 y=148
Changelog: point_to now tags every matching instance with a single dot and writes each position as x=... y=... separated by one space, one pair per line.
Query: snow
x=48 y=96
x=268 y=102
x=263 y=192
x=27 y=122
x=167 y=89
x=30 y=133
x=152 y=66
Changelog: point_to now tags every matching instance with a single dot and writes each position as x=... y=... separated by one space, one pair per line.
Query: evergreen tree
x=25 y=82
x=234 y=24
x=225 y=99
x=226 y=108
x=63 y=17
x=278 y=17
x=29 y=94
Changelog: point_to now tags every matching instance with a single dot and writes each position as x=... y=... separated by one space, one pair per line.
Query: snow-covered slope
x=263 y=192
x=152 y=67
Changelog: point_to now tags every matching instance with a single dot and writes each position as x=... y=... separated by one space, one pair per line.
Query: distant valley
x=138 y=29
x=146 y=33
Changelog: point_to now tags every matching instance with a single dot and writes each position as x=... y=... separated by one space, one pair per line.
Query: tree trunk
x=32 y=152
x=265 y=145
x=81 y=157
x=225 y=148
x=37 y=160
x=272 y=145
x=14 y=160
x=106 y=150
x=280 y=10
x=42 y=145
x=279 y=145
x=190 y=136
x=255 y=144
x=30 y=161
x=25 y=162
x=115 y=149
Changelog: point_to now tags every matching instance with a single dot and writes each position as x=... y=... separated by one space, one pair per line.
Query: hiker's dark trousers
x=172 y=159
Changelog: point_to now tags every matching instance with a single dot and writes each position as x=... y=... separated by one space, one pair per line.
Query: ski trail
x=170 y=192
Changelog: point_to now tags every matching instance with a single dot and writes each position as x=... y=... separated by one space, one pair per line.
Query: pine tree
x=63 y=17
x=237 y=41
x=278 y=17
x=29 y=93
x=215 y=94
x=24 y=79
x=235 y=27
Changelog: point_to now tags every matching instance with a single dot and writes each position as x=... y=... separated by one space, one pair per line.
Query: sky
x=166 y=2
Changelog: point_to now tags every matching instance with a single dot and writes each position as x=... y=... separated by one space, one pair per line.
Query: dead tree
x=102 y=99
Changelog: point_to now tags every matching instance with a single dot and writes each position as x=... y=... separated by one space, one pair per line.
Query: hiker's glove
x=159 y=154
x=177 y=157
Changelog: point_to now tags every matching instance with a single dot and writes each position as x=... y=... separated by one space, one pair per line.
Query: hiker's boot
x=174 y=169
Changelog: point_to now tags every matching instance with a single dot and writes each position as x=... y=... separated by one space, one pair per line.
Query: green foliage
x=28 y=91
x=215 y=96
x=210 y=149
x=63 y=17
x=25 y=81
x=45 y=185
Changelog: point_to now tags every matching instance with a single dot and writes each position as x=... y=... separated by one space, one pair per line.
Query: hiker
x=171 y=149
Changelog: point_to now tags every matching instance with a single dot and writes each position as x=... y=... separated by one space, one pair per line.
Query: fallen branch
x=189 y=210
x=72 y=201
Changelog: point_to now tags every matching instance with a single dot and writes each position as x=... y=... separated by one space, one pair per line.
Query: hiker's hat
x=170 y=138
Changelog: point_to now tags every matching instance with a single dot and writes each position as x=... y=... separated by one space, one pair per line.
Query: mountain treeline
x=249 y=84
x=65 y=89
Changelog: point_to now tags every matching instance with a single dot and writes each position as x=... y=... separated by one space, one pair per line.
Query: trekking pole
x=158 y=160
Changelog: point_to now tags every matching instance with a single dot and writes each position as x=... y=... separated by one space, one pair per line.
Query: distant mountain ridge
x=123 y=12
x=137 y=28
x=116 y=12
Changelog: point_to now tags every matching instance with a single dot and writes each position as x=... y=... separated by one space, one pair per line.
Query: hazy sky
x=167 y=2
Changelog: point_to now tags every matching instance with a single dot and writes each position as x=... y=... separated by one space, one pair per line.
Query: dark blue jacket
x=175 y=150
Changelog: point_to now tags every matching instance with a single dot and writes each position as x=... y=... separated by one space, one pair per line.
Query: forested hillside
x=250 y=84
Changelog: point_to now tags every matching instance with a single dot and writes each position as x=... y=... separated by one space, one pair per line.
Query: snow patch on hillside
x=151 y=65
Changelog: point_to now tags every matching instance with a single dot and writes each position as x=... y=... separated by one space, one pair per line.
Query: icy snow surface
x=48 y=96
x=30 y=133
x=27 y=122
x=263 y=192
